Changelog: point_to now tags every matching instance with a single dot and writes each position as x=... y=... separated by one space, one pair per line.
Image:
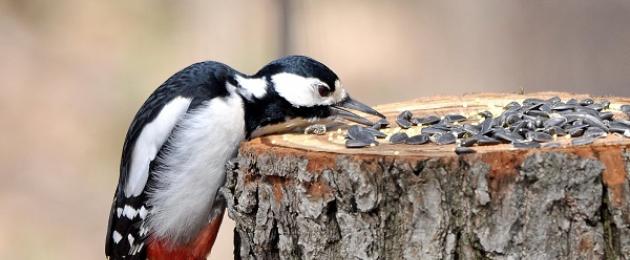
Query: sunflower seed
x=575 y=131
x=485 y=140
x=381 y=123
x=561 y=107
x=557 y=121
x=487 y=125
x=398 y=138
x=606 y=115
x=417 y=139
x=541 y=137
x=446 y=138
x=375 y=133
x=359 y=133
x=454 y=118
x=429 y=120
x=595 y=132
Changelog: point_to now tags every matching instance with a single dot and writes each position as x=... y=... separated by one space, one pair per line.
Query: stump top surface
x=333 y=141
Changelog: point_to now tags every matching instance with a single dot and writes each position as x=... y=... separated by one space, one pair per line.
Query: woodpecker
x=166 y=204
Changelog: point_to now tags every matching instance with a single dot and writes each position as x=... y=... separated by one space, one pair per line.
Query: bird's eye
x=323 y=90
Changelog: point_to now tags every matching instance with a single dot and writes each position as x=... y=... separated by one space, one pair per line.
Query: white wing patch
x=148 y=144
x=256 y=87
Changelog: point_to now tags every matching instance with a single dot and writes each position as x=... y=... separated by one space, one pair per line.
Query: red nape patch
x=198 y=249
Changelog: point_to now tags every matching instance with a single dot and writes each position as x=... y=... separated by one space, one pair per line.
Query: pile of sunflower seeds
x=530 y=124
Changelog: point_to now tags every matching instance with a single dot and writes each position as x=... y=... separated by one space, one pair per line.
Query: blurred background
x=73 y=73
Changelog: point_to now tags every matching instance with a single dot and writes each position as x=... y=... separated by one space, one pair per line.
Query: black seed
x=606 y=115
x=541 y=137
x=561 y=107
x=446 y=138
x=359 y=133
x=575 y=131
x=381 y=123
x=625 y=108
x=618 y=127
x=429 y=120
x=485 y=140
x=526 y=145
x=587 y=118
x=538 y=113
x=556 y=121
x=487 y=125
x=417 y=139
x=375 y=133
x=595 y=132
x=597 y=107
x=572 y=101
x=464 y=150
x=405 y=115
x=513 y=118
x=486 y=114
x=545 y=108
x=403 y=123
x=582 y=140
x=587 y=110
x=454 y=118
x=356 y=143
x=398 y=138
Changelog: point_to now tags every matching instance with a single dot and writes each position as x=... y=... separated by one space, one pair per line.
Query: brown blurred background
x=73 y=73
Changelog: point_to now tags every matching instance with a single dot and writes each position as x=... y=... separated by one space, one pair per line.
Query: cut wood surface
x=297 y=196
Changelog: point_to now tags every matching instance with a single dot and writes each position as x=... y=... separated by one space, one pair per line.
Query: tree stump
x=298 y=196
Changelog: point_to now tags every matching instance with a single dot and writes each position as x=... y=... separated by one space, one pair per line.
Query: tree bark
x=301 y=201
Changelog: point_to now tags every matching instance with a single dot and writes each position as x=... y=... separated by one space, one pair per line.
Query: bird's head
x=312 y=90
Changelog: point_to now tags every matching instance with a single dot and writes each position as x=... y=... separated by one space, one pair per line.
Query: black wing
x=201 y=82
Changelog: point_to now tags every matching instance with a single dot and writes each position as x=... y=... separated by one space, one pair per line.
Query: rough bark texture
x=535 y=205
x=560 y=203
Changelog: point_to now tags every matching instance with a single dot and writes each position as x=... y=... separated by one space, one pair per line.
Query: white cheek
x=296 y=89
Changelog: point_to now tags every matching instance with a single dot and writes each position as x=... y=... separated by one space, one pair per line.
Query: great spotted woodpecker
x=166 y=204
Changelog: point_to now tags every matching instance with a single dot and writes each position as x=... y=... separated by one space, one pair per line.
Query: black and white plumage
x=176 y=147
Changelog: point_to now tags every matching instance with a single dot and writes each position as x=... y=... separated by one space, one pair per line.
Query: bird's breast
x=194 y=168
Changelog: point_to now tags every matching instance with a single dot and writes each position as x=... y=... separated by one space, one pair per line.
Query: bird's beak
x=341 y=109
